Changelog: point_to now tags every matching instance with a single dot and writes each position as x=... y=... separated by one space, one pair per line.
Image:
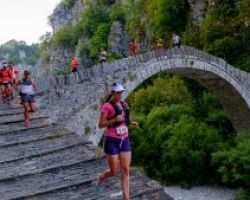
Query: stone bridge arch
x=231 y=85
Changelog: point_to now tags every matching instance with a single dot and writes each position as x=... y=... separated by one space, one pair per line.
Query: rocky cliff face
x=198 y=9
x=63 y=14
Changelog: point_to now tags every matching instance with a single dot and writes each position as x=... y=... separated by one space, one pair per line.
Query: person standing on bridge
x=27 y=96
x=176 y=40
x=115 y=118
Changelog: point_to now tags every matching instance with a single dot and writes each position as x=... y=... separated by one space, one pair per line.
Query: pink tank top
x=119 y=132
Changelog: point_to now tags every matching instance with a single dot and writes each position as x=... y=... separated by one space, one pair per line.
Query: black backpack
x=118 y=111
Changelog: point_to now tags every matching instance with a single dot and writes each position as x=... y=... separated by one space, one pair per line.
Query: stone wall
x=75 y=99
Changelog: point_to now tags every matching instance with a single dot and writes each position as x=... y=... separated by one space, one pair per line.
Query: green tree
x=99 y=40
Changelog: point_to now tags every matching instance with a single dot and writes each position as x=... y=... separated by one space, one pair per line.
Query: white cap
x=117 y=87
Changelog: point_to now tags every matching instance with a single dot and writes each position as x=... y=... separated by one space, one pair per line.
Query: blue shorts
x=27 y=99
x=114 y=146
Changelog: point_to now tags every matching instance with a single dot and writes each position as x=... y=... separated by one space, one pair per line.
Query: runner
x=159 y=44
x=176 y=40
x=132 y=48
x=14 y=78
x=74 y=64
x=103 y=56
x=115 y=118
x=27 y=96
x=159 y=47
x=5 y=76
x=14 y=73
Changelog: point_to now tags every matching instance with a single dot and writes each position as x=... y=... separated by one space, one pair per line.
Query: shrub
x=99 y=40
x=118 y=13
x=66 y=36
x=234 y=163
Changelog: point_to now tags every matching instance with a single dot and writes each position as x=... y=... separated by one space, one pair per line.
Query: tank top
x=27 y=87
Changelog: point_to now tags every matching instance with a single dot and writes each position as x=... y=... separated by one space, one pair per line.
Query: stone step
x=11 y=111
x=50 y=181
x=38 y=148
x=19 y=118
x=75 y=182
x=6 y=119
x=57 y=159
x=19 y=126
x=31 y=135
x=86 y=191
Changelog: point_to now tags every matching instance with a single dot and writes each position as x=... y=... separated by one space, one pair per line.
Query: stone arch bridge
x=77 y=105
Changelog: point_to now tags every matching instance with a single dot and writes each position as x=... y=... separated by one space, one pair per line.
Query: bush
x=172 y=90
x=67 y=36
x=99 y=40
x=179 y=131
x=92 y=17
x=242 y=194
x=118 y=13
x=234 y=163
x=186 y=155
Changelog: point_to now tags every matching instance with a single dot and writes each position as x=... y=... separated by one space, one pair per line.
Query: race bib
x=122 y=130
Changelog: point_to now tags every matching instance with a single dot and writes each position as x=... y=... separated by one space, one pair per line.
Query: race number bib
x=122 y=130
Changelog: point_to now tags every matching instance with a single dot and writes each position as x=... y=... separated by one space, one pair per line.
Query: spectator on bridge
x=115 y=118
x=132 y=48
x=74 y=64
x=176 y=40
x=103 y=56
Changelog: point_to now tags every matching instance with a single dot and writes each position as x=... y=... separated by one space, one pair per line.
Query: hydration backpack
x=118 y=111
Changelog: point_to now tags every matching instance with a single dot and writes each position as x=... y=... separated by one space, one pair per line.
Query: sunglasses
x=119 y=92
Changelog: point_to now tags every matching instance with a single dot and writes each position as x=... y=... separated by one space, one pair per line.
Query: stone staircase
x=50 y=162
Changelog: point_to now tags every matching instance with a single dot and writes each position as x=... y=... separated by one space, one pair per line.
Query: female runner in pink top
x=115 y=118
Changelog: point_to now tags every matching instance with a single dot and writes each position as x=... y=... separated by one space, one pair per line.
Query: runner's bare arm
x=104 y=122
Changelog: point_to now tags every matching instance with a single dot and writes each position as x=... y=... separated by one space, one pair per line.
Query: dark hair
x=26 y=73
x=108 y=98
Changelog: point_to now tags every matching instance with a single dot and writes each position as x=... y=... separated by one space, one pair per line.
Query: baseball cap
x=117 y=87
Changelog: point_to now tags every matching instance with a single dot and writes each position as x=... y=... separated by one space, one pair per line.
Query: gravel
x=200 y=193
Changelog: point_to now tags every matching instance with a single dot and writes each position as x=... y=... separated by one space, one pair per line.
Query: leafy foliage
x=13 y=49
x=234 y=162
x=66 y=36
x=181 y=125
x=99 y=40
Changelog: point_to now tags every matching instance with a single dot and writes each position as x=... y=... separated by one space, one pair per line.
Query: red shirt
x=132 y=48
x=14 y=73
x=5 y=75
x=74 y=63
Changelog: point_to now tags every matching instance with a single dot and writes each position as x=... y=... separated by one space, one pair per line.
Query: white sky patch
x=25 y=20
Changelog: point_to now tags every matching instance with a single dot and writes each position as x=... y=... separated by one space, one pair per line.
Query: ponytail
x=108 y=98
